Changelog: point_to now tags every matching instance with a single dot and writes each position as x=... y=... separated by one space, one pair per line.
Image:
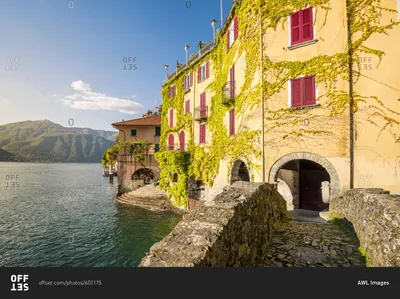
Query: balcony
x=229 y=93
x=201 y=113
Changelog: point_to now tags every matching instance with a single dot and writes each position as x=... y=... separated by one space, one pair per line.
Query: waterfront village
x=298 y=99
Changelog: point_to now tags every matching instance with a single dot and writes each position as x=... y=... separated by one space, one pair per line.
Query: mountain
x=7 y=156
x=44 y=141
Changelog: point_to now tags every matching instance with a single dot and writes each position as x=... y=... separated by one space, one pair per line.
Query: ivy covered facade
x=288 y=89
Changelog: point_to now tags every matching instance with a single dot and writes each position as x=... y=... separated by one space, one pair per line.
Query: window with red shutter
x=301 y=23
x=232 y=122
x=182 y=140
x=309 y=91
x=232 y=81
x=295 y=28
x=296 y=92
x=307 y=26
x=191 y=79
x=236 y=28
x=198 y=74
x=171 y=118
x=203 y=108
x=171 y=142
x=202 y=131
x=187 y=106
x=303 y=91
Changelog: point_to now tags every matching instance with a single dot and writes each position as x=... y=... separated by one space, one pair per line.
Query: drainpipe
x=350 y=9
x=262 y=101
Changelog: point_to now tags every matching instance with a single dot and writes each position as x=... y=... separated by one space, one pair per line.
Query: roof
x=144 y=121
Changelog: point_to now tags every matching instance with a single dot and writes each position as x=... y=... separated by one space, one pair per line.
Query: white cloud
x=4 y=100
x=85 y=99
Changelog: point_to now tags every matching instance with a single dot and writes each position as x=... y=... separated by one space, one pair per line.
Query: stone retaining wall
x=233 y=230
x=375 y=215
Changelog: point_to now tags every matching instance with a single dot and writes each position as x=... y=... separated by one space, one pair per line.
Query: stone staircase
x=148 y=197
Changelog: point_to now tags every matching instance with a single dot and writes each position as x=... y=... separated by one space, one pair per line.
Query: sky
x=90 y=63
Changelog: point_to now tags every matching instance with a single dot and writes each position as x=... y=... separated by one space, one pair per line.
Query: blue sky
x=64 y=59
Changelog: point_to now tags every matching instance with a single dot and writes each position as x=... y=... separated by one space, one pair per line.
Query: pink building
x=132 y=171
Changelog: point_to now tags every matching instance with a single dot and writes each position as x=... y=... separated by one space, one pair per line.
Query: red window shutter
x=295 y=24
x=232 y=122
x=202 y=133
x=191 y=79
x=309 y=91
x=227 y=40
x=171 y=142
x=182 y=140
x=187 y=106
x=307 y=24
x=296 y=93
x=198 y=74
x=171 y=118
x=203 y=108
x=236 y=28
x=232 y=81
x=207 y=69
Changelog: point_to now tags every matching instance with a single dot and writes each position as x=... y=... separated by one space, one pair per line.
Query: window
x=171 y=118
x=232 y=122
x=133 y=132
x=172 y=91
x=158 y=131
x=202 y=131
x=301 y=26
x=303 y=91
x=182 y=140
x=232 y=33
x=156 y=147
x=188 y=81
x=203 y=72
x=203 y=106
x=187 y=106
x=232 y=82
x=171 y=142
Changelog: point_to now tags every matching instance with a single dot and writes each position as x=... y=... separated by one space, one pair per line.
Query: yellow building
x=270 y=100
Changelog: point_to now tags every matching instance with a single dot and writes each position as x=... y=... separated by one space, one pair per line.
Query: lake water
x=55 y=215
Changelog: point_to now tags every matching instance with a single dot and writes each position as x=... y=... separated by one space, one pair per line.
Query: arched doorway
x=145 y=174
x=302 y=175
x=240 y=172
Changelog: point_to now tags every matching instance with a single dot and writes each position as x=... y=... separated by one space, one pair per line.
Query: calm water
x=65 y=215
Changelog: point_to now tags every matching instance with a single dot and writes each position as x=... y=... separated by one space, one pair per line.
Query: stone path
x=148 y=197
x=304 y=244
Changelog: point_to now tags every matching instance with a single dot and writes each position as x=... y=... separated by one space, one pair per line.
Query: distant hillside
x=6 y=156
x=44 y=141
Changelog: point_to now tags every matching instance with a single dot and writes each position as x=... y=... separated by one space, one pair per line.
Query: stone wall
x=375 y=215
x=232 y=230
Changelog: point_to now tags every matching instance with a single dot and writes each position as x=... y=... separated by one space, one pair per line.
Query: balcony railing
x=201 y=112
x=174 y=147
x=229 y=92
x=194 y=58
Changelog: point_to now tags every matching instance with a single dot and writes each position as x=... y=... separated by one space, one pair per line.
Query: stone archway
x=239 y=172
x=334 y=177
x=143 y=174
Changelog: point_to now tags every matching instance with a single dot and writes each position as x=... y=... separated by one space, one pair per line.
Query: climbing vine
x=282 y=125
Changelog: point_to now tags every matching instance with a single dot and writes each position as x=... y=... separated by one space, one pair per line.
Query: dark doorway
x=311 y=177
x=239 y=172
x=304 y=178
x=145 y=174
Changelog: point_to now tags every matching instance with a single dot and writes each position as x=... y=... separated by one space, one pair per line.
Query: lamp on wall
x=186 y=49
x=213 y=23
x=166 y=70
